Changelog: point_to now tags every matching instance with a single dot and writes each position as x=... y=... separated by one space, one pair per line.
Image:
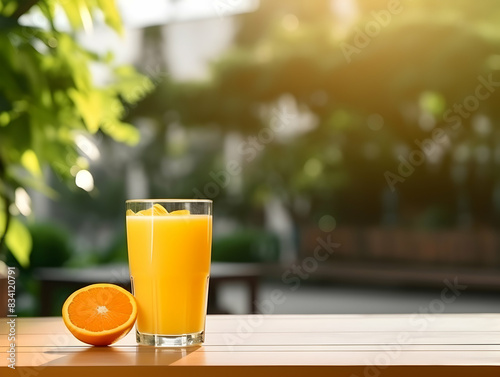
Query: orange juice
x=169 y=257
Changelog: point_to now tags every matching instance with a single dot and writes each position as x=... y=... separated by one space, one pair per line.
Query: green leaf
x=122 y=132
x=48 y=9
x=9 y=7
x=4 y=119
x=18 y=239
x=132 y=85
x=72 y=10
x=19 y=242
x=30 y=162
x=89 y=107
x=111 y=14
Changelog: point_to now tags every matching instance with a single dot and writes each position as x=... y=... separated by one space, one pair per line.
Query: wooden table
x=277 y=345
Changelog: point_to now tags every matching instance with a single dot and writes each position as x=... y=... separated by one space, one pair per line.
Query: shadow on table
x=121 y=355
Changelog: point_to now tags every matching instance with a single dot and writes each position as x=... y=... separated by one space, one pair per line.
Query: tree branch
x=23 y=8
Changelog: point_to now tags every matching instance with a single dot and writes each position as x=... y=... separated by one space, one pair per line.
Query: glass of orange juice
x=169 y=246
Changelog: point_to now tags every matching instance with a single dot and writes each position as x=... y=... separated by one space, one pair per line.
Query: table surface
x=343 y=345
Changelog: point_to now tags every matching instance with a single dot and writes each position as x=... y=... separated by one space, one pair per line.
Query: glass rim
x=169 y=200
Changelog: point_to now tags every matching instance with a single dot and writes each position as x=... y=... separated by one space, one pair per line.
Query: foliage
x=424 y=61
x=246 y=246
x=51 y=246
x=48 y=97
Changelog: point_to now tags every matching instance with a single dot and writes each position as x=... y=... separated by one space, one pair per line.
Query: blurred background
x=351 y=147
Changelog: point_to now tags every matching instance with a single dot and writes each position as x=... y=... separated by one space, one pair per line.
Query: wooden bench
x=53 y=278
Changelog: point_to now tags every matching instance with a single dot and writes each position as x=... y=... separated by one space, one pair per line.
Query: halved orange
x=100 y=314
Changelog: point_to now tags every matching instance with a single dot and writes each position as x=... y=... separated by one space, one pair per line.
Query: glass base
x=184 y=340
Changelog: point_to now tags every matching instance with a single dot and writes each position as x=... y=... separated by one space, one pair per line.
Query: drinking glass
x=169 y=246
